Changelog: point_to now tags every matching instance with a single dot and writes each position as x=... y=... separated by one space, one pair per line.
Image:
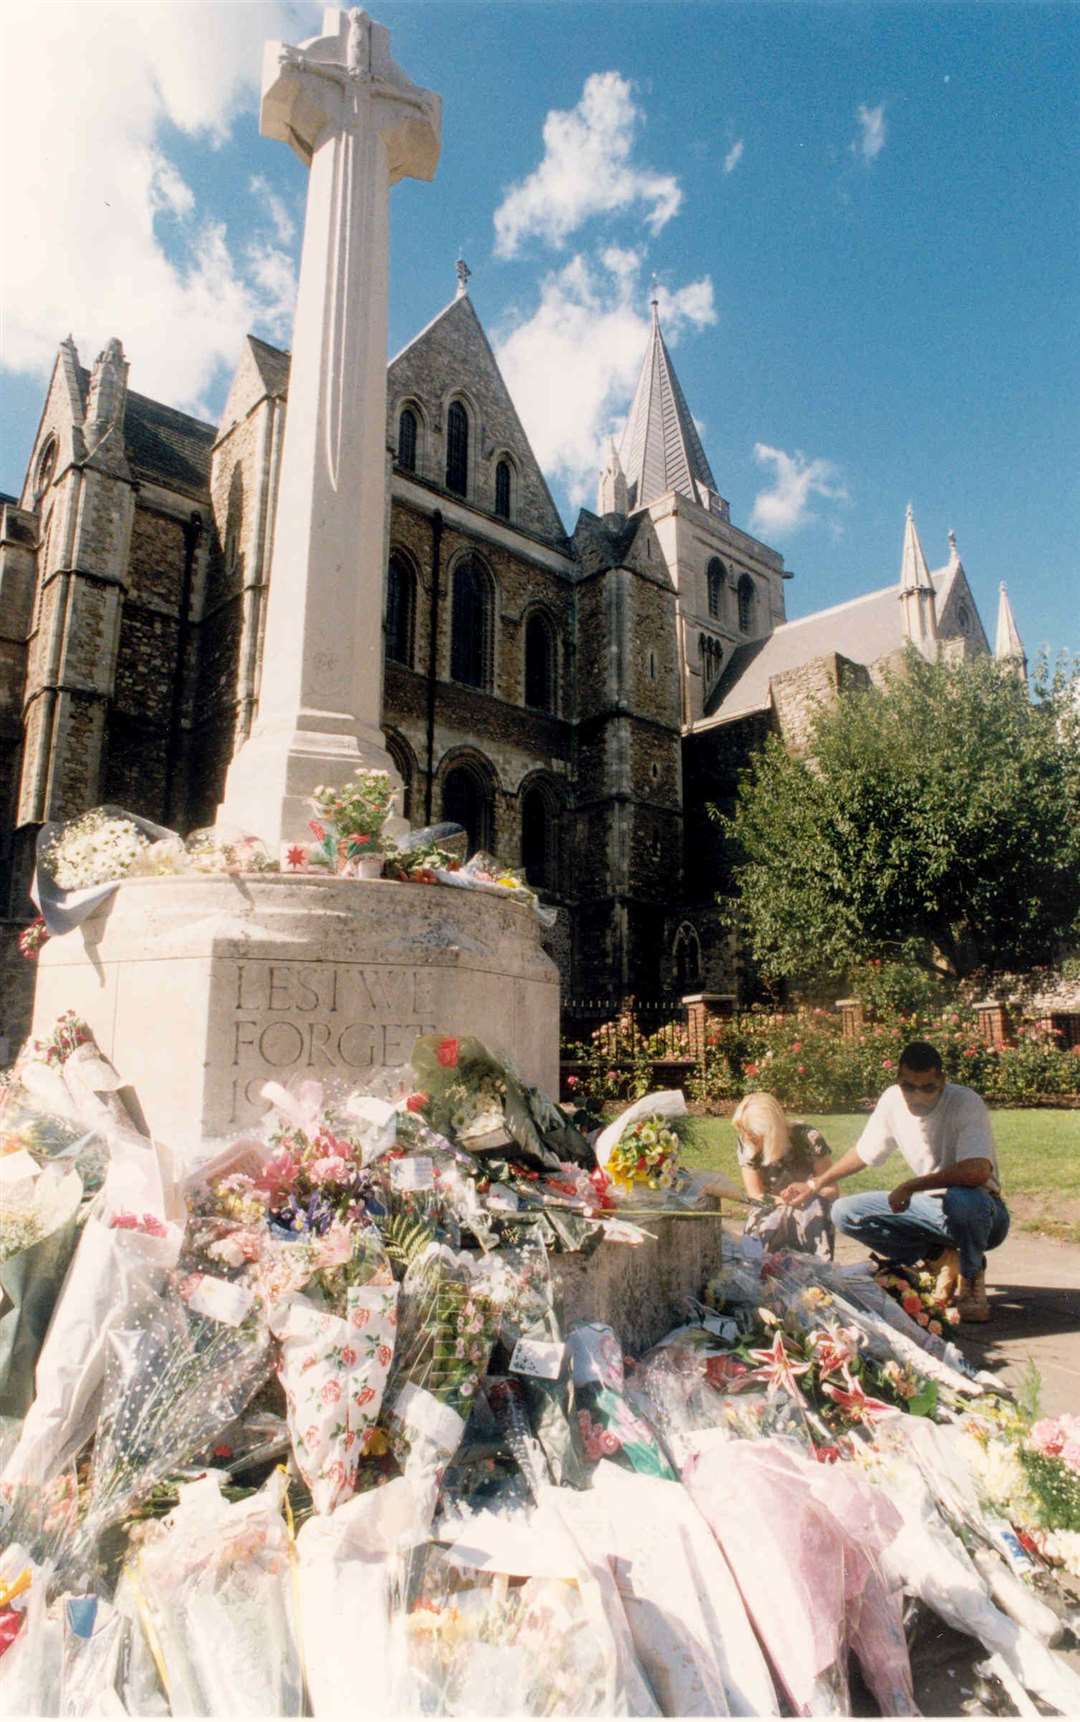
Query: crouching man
x=950 y=1212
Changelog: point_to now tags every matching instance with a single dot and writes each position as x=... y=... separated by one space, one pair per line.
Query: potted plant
x=350 y=823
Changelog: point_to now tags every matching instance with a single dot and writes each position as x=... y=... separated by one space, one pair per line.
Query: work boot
x=972 y=1303
x=946 y=1271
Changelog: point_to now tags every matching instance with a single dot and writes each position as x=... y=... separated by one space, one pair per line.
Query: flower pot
x=364 y=867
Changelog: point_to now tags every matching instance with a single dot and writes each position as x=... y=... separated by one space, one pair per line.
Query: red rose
x=446 y=1052
x=348 y=1356
x=365 y=1396
x=417 y=1102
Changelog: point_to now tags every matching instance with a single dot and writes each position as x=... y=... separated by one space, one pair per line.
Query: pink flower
x=317 y=831
x=360 y=1317
x=125 y=1222
x=348 y=1356
x=935 y=1327
x=447 y=1052
x=1070 y=1455
x=1048 y=1437
x=335 y=1473
x=888 y=1064
x=329 y=1169
x=796 y=1046
x=383 y=1355
x=923 y=1319
x=752 y=1069
x=572 y=1082
x=331 y=1392
x=364 y=1397
x=311 y=1435
x=911 y=1304
x=278 y=1175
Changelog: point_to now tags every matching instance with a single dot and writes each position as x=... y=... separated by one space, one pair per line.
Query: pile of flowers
x=354 y=1291
x=350 y=818
x=93 y=850
x=646 y=1153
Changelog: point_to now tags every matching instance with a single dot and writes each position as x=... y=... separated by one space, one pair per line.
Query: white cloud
x=785 y=505
x=111 y=237
x=871 y=139
x=284 y=225
x=586 y=171
x=734 y=156
x=590 y=330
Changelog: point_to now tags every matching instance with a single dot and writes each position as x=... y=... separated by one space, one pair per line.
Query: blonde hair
x=763 y=1114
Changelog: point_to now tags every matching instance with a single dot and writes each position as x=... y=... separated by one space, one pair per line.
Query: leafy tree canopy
x=936 y=818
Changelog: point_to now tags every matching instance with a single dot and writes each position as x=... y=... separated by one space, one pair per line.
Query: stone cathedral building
x=574 y=700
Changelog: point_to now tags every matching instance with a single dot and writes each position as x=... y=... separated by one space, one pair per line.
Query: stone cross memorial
x=202 y=988
x=358 y=123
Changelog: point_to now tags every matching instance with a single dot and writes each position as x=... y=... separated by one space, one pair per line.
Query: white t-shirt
x=957 y=1129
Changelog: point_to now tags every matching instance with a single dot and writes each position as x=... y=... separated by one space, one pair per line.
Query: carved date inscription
x=321 y=1019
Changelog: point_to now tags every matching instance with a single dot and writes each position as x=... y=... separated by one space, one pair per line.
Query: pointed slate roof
x=661 y=449
x=1007 y=643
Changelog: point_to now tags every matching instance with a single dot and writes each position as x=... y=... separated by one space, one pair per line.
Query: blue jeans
x=969 y=1221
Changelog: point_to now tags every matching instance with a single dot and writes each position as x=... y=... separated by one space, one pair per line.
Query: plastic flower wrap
x=608 y=1428
x=80 y=861
x=216 y=1597
x=448 y=1324
x=93 y=1644
x=31 y=1658
x=64 y=1075
x=483 y=873
x=181 y=1368
x=507 y=1621
x=334 y=1370
x=118 y=1267
x=38 y=1216
x=690 y=1629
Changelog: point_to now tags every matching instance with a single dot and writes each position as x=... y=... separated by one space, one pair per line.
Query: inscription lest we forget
x=297 y=1017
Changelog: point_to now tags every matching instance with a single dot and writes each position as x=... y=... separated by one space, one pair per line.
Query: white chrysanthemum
x=1063 y=1546
x=999 y=1475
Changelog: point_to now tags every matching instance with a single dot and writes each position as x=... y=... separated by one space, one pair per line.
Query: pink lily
x=777 y=1368
x=857 y=1404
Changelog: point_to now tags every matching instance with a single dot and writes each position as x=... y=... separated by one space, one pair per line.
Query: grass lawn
x=1038 y=1151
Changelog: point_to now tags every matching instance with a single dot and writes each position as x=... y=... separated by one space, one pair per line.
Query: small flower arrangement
x=647 y=1154
x=418 y=865
x=93 y=850
x=914 y=1292
x=32 y=938
x=68 y=1033
x=349 y=820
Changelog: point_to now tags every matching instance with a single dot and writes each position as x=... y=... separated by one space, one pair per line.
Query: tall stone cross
x=358 y=123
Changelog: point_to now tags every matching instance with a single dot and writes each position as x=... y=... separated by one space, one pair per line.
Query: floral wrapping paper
x=334 y=1370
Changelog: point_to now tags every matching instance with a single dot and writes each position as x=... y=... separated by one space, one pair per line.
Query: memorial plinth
x=202 y=988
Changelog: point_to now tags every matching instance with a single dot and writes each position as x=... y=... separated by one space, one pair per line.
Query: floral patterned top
x=807 y=1147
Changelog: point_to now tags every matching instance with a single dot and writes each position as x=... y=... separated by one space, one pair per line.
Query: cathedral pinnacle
x=463 y=274
x=661 y=450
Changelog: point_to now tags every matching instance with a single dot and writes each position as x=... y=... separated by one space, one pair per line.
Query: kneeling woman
x=773 y=1152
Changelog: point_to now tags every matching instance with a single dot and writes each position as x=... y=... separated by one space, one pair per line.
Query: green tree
x=936 y=818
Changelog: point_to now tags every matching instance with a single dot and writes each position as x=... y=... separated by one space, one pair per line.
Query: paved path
x=1034 y=1288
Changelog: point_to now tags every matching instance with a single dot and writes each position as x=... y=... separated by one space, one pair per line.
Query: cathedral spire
x=661 y=449
x=1008 y=646
x=917 y=592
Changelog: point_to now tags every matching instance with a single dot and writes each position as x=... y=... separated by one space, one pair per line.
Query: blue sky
x=863 y=219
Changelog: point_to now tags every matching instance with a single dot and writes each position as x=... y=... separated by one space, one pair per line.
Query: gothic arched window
x=502 y=489
x=687 y=954
x=746 y=604
x=400 y=609
x=715 y=577
x=402 y=757
x=471 y=625
x=406 y=440
x=467 y=800
x=457 y=449
x=539 y=838
x=46 y=468
x=539 y=663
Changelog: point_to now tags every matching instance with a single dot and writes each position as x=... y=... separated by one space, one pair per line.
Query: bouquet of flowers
x=334 y=1369
x=646 y=1153
x=914 y=1292
x=479 y=1640
x=461 y=1080
x=180 y=1371
x=348 y=823
x=92 y=850
x=215 y=1593
x=483 y=873
x=38 y=1218
x=32 y=938
x=420 y=863
x=607 y=1425
x=448 y=1325
x=127 y=1245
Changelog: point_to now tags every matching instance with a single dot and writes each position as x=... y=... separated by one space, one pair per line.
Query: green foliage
x=936 y=821
x=1029 y=1393
x=1056 y=1490
x=404 y=1237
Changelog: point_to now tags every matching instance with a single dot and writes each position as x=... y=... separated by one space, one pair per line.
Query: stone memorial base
x=202 y=988
x=640 y=1289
